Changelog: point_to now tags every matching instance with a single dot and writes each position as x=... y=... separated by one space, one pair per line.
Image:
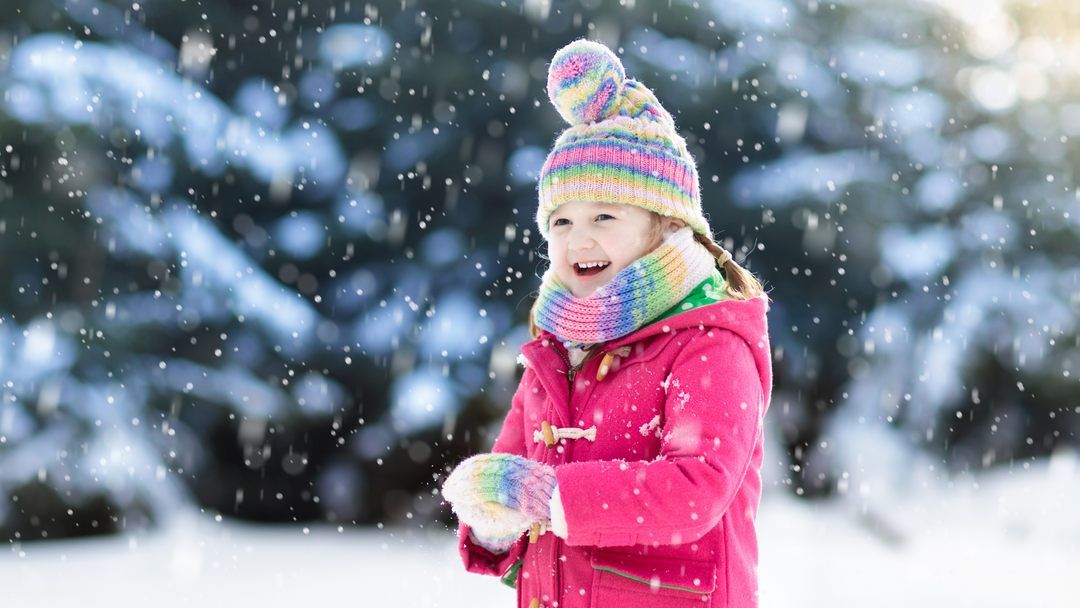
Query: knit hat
x=621 y=146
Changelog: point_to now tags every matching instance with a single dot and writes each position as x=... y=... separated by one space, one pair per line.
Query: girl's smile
x=585 y=269
x=591 y=242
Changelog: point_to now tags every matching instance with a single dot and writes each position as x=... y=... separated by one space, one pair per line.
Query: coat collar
x=548 y=360
x=743 y=317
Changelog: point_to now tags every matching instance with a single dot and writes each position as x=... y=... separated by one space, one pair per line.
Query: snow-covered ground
x=1007 y=538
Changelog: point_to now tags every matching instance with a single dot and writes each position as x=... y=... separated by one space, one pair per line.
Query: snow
x=198 y=561
x=911 y=362
x=999 y=538
x=1013 y=541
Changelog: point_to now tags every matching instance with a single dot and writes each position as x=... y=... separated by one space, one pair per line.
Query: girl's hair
x=739 y=283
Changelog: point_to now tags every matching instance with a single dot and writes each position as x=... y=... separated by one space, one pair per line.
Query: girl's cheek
x=564 y=272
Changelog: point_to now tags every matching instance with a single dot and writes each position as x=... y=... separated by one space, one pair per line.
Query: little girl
x=627 y=471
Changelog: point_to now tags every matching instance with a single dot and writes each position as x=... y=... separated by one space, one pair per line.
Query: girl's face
x=590 y=242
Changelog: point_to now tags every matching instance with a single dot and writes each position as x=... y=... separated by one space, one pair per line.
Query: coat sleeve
x=713 y=413
x=511 y=440
x=482 y=561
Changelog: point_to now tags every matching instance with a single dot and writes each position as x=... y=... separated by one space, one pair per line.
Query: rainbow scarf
x=633 y=298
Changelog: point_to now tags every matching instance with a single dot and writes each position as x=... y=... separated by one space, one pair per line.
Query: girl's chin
x=583 y=287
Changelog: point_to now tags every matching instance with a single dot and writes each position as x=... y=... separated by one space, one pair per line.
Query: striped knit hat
x=621 y=146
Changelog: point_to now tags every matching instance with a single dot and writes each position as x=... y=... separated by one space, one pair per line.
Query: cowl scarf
x=633 y=298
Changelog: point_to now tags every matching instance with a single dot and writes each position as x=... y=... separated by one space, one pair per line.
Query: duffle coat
x=660 y=507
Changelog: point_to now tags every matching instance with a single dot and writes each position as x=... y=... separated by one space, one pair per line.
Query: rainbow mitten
x=499 y=496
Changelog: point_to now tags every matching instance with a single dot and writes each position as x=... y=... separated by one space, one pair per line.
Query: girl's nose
x=580 y=239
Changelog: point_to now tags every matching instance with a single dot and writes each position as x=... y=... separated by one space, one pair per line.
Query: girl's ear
x=673 y=225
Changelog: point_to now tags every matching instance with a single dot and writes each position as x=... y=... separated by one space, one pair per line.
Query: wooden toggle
x=608 y=361
x=549 y=437
x=605 y=365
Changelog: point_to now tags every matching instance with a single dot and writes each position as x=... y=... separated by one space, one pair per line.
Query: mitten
x=493 y=526
x=499 y=496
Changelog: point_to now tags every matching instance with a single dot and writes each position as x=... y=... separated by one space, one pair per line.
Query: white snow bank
x=1013 y=540
x=1005 y=538
x=201 y=562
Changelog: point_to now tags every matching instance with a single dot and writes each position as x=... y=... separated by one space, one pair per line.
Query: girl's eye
x=604 y=216
x=561 y=222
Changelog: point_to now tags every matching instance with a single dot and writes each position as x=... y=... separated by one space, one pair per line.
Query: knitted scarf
x=633 y=298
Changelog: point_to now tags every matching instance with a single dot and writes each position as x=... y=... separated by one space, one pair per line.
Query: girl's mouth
x=588 y=269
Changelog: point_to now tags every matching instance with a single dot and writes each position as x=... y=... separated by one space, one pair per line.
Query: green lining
x=510 y=578
x=709 y=291
x=640 y=580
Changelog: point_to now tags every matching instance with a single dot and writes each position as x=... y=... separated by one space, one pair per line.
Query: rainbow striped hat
x=621 y=146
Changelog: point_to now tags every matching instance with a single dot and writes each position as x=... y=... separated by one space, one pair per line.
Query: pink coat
x=660 y=508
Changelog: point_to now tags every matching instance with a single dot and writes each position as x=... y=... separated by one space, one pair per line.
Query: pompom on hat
x=621 y=146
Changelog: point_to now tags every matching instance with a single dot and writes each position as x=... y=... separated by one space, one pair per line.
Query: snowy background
x=1003 y=539
x=272 y=260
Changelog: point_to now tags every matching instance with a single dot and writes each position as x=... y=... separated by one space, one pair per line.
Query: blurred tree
x=275 y=256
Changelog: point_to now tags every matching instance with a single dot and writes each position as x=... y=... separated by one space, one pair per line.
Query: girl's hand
x=500 y=495
x=493 y=525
